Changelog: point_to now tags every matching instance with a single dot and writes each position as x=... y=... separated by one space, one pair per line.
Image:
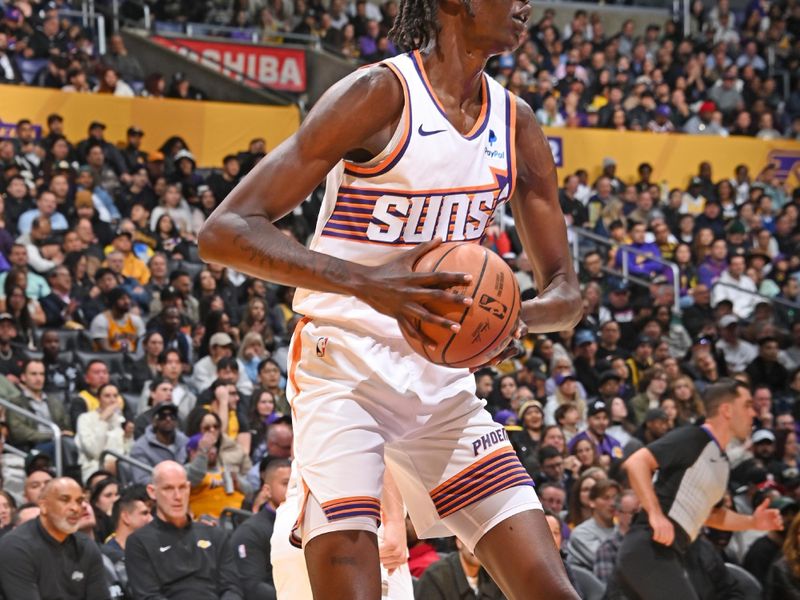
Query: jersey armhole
x=394 y=150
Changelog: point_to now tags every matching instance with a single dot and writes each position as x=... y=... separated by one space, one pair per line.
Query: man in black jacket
x=47 y=558
x=172 y=557
x=251 y=540
x=458 y=576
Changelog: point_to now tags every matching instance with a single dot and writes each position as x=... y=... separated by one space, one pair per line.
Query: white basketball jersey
x=429 y=182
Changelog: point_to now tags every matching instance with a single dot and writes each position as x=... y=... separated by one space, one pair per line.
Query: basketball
x=484 y=325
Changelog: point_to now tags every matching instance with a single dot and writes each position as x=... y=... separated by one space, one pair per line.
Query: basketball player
x=420 y=148
x=693 y=472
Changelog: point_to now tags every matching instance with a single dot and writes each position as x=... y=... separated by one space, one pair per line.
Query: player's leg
x=343 y=565
x=534 y=569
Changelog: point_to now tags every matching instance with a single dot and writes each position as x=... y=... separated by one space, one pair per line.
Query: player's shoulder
x=374 y=85
x=525 y=115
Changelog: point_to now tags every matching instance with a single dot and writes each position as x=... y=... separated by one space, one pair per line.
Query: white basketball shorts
x=359 y=402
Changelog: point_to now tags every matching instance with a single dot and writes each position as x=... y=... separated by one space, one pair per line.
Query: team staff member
x=251 y=540
x=44 y=559
x=174 y=558
x=693 y=472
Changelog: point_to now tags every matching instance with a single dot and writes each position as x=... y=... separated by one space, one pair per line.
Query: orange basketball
x=487 y=323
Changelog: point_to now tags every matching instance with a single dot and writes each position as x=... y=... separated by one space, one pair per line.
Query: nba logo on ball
x=322 y=343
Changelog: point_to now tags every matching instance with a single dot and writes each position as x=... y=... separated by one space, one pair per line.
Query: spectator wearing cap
x=654 y=426
x=738 y=353
x=735 y=286
x=533 y=375
x=205 y=370
x=703 y=122
x=118 y=328
x=693 y=201
x=96 y=135
x=766 y=368
x=766 y=549
x=132 y=155
x=526 y=441
x=641 y=359
x=567 y=391
x=585 y=352
x=597 y=421
x=162 y=440
x=661 y=121
x=132 y=267
x=160 y=392
x=587 y=537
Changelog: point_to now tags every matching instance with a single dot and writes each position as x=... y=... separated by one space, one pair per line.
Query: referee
x=692 y=476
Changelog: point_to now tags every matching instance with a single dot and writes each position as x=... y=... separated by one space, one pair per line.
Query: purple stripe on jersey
x=350 y=218
x=516 y=481
x=366 y=210
x=360 y=201
x=352 y=506
x=471 y=471
x=470 y=486
x=343 y=227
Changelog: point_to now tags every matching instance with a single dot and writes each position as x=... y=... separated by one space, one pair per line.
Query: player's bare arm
x=541 y=228
x=240 y=233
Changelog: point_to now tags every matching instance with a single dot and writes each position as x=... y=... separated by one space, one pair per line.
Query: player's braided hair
x=416 y=24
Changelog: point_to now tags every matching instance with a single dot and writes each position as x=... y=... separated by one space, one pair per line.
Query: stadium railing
x=579 y=234
x=8 y=448
x=123 y=474
x=770 y=299
x=59 y=459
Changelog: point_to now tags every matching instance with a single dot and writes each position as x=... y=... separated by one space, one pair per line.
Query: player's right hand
x=663 y=529
x=394 y=289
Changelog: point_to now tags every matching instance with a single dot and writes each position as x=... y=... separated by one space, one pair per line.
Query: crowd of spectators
x=112 y=328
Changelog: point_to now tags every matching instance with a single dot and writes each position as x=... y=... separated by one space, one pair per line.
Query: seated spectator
x=171 y=369
x=35 y=566
x=36 y=287
x=652 y=386
x=162 y=441
x=174 y=557
x=145 y=368
x=579 y=507
x=251 y=540
x=118 y=57
x=456 y=575
x=627 y=508
x=132 y=511
x=94 y=377
x=104 y=428
x=35 y=482
x=215 y=485
x=160 y=393
x=117 y=329
x=11 y=356
x=587 y=537
x=102 y=496
x=132 y=267
x=205 y=370
x=597 y=422
x=60 y=308
x=766 y=368
x=735 y=286
x=767 y=549
x=556 y=528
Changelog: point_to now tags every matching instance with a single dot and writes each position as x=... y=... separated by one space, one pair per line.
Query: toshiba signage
x=277 y=68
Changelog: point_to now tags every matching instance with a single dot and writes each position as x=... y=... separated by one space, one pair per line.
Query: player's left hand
x=766 y=518
x=393 y=549
x=511 y=348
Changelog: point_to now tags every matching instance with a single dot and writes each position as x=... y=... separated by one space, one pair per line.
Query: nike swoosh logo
x=164 y=548
x=422 y=132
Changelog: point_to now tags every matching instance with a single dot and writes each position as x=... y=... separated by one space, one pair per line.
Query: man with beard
x=162 y=441
x=117 y=328
x=60 y=375
x=43 y=558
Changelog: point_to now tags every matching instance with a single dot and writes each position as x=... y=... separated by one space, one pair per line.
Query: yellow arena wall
x=674 y=157
x=211 y=129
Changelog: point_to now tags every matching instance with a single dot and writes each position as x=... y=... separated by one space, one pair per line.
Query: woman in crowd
x=553 y=436
x=504 y=390
x=146 y=368
x=578 y=506
x=785 y=466
x=702 y=244
x=103 y=429
x=205 y=285
x=527 y=441
x=621 y=427
x=262 y=415
x=652 y=386
x=687 y=271
x=567 y=389
x=216 y=469
x=256 y=319
x=168 y=237
x=251 y=352
x=103 y=495
x=586 y=453
x=567 y=418
x=670 y=408
x=687 y=400
x=27 y=313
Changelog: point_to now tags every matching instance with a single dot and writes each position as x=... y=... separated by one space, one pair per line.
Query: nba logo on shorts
x=322 y=343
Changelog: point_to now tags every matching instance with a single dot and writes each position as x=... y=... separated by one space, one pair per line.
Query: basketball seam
x=464 y=316
x=501 y=332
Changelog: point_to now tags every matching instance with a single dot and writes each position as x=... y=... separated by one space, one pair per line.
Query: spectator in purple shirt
x=640 y=265
x=597 y=421
x=714 y=264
